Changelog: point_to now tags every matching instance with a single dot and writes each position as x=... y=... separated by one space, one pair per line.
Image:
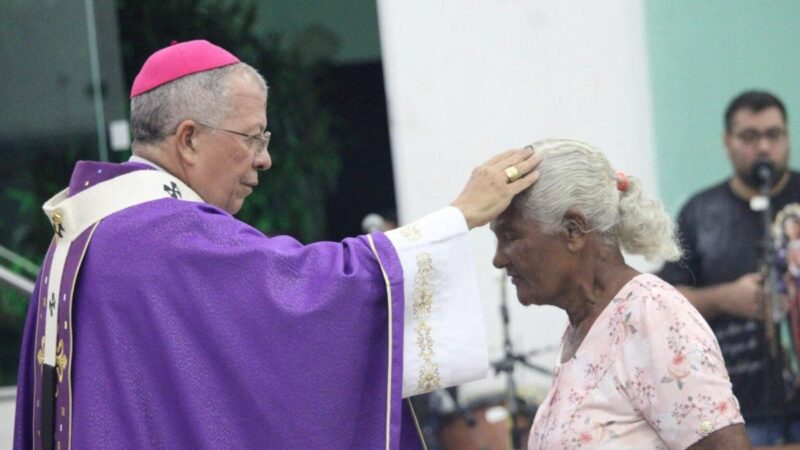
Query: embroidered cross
x=173 y=191
x=52 y=305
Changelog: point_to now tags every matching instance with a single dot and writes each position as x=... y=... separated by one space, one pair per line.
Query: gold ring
x=512 y=174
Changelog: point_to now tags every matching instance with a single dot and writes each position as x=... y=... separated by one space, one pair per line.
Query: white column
x=467 y=79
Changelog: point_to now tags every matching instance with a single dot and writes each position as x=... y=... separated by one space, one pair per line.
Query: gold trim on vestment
x=43 y=279
x=429 y=378
x=71 y=339
x=61 y=360
x=389 y=371
x=40 y=353
x=410 y=232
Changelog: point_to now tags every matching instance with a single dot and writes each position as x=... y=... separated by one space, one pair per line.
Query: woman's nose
x=500 y=261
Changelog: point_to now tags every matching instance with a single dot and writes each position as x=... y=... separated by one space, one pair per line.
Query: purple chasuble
x=193 y=330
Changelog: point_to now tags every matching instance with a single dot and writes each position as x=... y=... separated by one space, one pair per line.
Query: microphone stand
x=506 y=365
x=460 y=410
x=772 y=308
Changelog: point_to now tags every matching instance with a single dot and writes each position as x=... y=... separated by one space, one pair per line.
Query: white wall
x=466 y=80
x=8 y=395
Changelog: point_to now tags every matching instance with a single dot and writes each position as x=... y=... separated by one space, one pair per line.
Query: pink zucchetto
x=179 y=60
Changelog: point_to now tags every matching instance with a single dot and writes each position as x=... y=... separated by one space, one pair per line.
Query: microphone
x=372 y=222
x=763 y=173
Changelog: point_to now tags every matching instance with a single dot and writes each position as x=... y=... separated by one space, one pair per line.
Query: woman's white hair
x=576 y=176
x=201 y=96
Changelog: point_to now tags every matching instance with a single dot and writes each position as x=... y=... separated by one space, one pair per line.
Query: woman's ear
x=575 y=230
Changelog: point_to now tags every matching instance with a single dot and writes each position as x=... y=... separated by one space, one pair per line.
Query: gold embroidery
x=429 y=378
x=410 y=232
x=40 y=354
x=61 y=360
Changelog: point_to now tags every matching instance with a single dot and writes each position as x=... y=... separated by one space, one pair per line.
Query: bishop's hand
x=494 y=184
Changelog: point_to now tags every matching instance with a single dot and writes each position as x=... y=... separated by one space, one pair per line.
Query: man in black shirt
x=722 y=238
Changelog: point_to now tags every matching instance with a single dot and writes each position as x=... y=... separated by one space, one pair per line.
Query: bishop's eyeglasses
x=258 y=142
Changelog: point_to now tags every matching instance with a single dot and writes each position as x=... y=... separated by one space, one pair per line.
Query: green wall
x=701 y=54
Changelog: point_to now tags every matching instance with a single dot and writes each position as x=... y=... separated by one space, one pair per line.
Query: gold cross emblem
x=57 y=227
x=61 y=360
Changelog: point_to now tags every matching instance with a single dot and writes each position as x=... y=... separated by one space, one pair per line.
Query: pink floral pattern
x=649 y=374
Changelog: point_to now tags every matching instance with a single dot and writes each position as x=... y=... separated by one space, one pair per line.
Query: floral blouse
x=648 y=375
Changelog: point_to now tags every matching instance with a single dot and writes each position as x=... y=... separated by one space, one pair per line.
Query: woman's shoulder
x=654 y=302
x=650 y=289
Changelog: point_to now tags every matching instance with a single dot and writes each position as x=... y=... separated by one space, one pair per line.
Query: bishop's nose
x=263 y=160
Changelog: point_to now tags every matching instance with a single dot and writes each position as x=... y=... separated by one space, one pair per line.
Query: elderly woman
x=639 y=367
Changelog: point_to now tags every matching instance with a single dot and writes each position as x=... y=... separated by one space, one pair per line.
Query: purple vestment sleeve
x=194 y=330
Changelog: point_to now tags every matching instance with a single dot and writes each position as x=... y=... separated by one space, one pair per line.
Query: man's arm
x=738 y=298
x=444 y=341
x=733 y=437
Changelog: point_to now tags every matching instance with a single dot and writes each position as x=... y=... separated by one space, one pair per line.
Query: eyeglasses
x=258 y=142
x=750 y=136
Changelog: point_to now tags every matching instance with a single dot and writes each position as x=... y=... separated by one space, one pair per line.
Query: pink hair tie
x=622 y=182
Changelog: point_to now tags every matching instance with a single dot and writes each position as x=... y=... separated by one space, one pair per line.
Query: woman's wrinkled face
x=538 y=262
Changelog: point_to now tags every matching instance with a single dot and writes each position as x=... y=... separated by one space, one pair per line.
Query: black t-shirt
x=722 y=240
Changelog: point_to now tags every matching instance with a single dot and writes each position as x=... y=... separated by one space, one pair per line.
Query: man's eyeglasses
x=258 y=142
x=750 y=136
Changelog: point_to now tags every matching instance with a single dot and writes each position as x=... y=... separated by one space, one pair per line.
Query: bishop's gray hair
x=576 y=176
x=203 y=96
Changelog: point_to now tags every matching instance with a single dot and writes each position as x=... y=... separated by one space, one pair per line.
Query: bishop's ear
x=187 y=136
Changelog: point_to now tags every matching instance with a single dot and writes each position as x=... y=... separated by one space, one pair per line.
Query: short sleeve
x=672 y=370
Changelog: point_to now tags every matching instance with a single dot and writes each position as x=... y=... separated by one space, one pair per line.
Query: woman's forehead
x=507 y=219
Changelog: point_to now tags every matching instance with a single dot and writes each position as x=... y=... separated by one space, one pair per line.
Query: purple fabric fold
x=194 y=330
